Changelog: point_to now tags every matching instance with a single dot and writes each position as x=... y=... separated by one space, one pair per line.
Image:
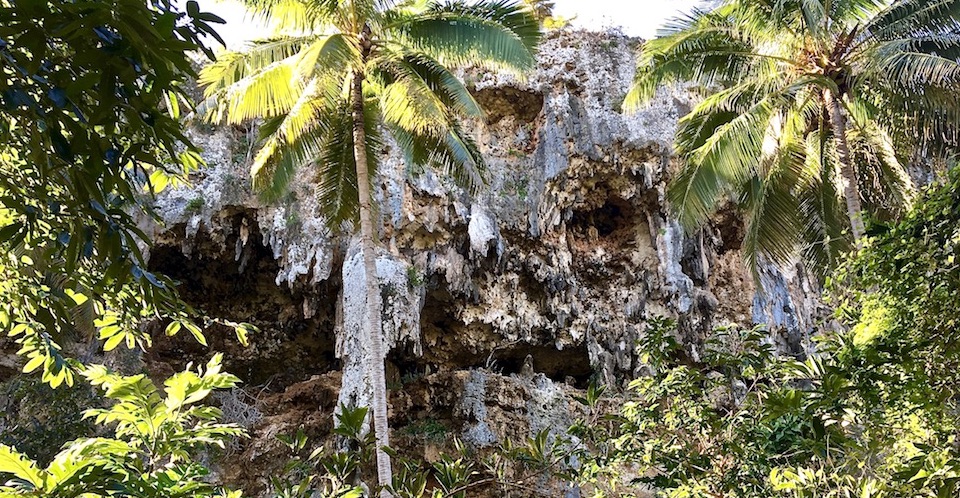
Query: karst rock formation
x=497 y=305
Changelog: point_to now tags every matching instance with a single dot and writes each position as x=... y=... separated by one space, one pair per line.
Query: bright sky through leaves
x=636 y=17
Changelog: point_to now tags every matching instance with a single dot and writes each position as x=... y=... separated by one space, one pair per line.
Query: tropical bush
x=870 y=413
x=39 y=419
x=155 y=451
x=744 y=423
x=90 y=98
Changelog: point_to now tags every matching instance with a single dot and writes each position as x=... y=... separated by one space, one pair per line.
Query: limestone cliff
x=496 y=305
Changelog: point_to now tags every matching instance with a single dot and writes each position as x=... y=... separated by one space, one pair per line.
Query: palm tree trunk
x=847 y=171
x=373 y=329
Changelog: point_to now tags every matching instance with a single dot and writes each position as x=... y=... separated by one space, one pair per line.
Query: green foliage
x=90 y=100
x=325 y=473
x=299 y=84
x=414 y=277
x=39 y=420
x=154 y=451
x=763 y=134
x=334 y=471
x=194 y=205
x=859 y=418
x=448 y=477
x=707 y=429
x=543 y=10
x=428 y=429
x=902 y=294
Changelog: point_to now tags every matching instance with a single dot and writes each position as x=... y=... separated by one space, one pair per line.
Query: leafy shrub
x=39 y=420
x=157 y=437
x=336 y=470
x=90 y=101
x=872 y=413
x=326 y=473
x=860 y=417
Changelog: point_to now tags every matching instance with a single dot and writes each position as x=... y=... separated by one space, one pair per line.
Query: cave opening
x=729 y=227
x=451 y=345
x=289 y=346
x=614 y=219
x=570 y=365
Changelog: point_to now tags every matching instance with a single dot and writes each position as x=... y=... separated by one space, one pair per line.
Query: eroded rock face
x=554 y=267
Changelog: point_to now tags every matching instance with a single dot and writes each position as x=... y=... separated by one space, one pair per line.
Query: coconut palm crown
x=299 y=81
x=336 y=75
x=811 y=108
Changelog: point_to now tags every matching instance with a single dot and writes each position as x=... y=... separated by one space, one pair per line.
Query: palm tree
x=812 y=105
x=337 y=74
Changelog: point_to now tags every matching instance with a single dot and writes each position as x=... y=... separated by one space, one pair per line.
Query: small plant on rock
x=194 y=205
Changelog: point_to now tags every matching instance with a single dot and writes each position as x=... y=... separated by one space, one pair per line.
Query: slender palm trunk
x=373 y=328
x=847 y=171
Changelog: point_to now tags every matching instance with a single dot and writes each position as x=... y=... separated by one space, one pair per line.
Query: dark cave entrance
x=289 y=345
x=614 y=220
x=451 y=345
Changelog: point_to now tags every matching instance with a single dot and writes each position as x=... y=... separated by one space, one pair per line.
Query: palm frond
x=927 y=121
x=497 y=34
x=765 y=133
x=709 y=50
x=277 y=162
x=288 y=142
x=437 y=78
x=304 y=16
x=893 y=182
x=855 y=11
x=327 y=56
x=408 y=101
x=694 y=193
x=452 y=152
x=815 y=17
x=461 y=159
x=946 y=45
x=772 y=221
x=336 y=164
x=260 y=83
x=720 y=148
x=269 y=92
x=821 y=209
x=298 y=86
x=905 y=19
x=231 y=67
x=911 y=70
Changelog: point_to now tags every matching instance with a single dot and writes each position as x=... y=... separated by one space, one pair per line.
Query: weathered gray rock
x=562 y=257
x=401 y=305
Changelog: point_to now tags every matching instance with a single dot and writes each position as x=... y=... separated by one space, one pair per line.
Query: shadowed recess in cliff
x=615 y=219
x=500 y=102
x=240 y=286
x=449 y=344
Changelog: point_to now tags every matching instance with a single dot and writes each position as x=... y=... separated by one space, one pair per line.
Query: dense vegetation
x=89 y=128
x=813 y=110
x=91 y=96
